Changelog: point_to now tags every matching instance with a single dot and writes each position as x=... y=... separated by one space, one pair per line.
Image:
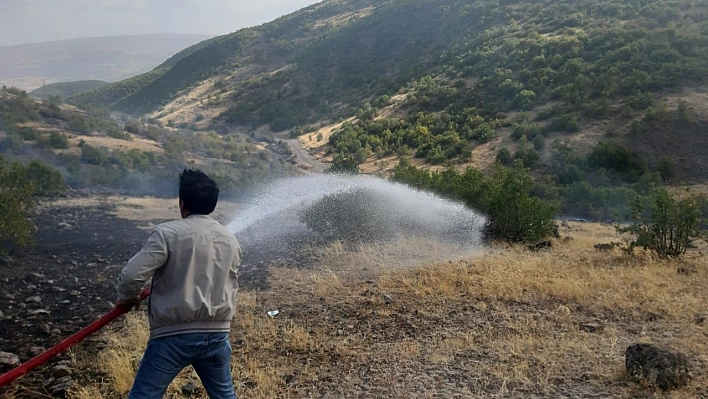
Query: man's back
x=196 y=288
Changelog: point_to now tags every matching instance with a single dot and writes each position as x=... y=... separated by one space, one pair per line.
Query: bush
x=566 y=123
x=664 y=222
x=506 y=197
x=16 y=204
x=58 y=140
x=19 y=187
x=344 y=164
x=615 y=157
x=93 y=155
x=504 y=157
x=514 y=214
x=46 y=181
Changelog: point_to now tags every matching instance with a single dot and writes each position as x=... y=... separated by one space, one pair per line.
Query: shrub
x=93 y=155
x=46 y=180
x=58 y=140
x=615 y=157
x=664 y=222
x=504 y=157
x=19 y=187
x=506 y=197
x=515 y=215
x=666 y=166
x=566 y=123
x=16 y=203
x=344 y=164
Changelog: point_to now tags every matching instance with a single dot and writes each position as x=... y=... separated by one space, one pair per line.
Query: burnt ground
x=72 y=268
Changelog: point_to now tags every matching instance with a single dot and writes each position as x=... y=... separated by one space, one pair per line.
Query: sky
x=33 y=21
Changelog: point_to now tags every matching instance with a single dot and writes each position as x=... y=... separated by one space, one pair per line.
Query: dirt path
x=304 y=159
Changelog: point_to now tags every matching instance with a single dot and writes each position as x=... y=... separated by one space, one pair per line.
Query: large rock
x=656 y=366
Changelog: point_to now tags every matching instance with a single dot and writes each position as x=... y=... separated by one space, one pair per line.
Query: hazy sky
x=28 y=21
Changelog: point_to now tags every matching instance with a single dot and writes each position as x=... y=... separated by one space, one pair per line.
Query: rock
x=2 y=315
x=189 y=390
x=562 y=309
x=36 y=299
x=59 y=387
x=74 y=293
x=44 y=328
x=591 y=327
x=55 y=331
x=64 y=226
x=8 y=296
x=31 y=287
x=539 y=246
x=387 y=299
x=58 y=289
x=37 y=350
x=38 y=275
x=700 y=319
x=61 y=370
x=686 y=271
x=658 y=367
x=38 y=312
x=9 y=359
x=605 y=247
x=6 y=261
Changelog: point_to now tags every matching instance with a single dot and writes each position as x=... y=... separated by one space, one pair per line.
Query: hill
x=27 y=66
x=66 y=89
x=585 y=93
x=96 y=149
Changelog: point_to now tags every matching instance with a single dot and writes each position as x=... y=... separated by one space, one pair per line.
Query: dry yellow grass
x=504 y=323
x=140 y=209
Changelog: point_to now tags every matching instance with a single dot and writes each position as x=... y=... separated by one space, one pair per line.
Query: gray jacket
x=193 y=264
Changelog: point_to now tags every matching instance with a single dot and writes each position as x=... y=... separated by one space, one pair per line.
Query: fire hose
x=68 y=342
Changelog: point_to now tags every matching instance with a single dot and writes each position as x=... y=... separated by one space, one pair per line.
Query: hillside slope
x=448 y=81
x=103 y=58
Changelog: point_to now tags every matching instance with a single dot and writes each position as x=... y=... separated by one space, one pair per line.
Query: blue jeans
x=164 y=358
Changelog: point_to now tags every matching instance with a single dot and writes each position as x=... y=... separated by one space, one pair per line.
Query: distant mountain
x=29 y=66
x=67 y=89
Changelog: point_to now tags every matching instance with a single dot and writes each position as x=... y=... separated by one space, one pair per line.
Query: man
x=193 y=264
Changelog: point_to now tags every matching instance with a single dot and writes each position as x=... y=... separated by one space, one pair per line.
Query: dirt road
x=304 y=159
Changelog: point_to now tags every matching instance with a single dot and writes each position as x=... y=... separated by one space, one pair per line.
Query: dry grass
x=140 y=209
x=506 y=323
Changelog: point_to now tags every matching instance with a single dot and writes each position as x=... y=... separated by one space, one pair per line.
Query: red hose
x=67 y=343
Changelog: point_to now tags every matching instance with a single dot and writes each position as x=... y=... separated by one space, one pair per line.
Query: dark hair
x=198 y=192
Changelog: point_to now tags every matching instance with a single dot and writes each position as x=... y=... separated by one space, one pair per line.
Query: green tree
x=16 y=204
x=344 y=164
x=58 y=140
x=45 y=180
x=514 y=213
x=20 y=186
x=664 y=223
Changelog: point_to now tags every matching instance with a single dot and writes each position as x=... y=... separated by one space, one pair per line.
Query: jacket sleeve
x=142 y=266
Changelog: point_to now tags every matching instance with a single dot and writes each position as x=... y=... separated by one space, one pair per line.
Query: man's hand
x=130 y=302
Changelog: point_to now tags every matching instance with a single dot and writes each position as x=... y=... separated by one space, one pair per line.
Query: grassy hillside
x=496 y=56
x=93 y=148
x=66 y=89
